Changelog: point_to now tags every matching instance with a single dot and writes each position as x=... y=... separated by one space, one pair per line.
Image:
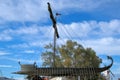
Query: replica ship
x=32 y=71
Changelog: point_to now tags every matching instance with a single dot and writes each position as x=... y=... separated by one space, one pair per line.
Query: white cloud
x=90 y=29
x=108 y=46
x=5 y=37
x=33 y=10
x=30 y=51
x=27 y=30
x=22 y=10
x=74 y=29
x=110 y=28
x=103 y=37
x=6 y=66
x=79 y=5
x=33 y=33
x=3 y=53
x=29 y=44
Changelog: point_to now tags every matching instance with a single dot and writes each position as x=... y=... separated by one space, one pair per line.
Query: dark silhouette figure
x=37 y=77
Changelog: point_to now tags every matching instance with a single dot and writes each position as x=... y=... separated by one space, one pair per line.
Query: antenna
x=55 y=30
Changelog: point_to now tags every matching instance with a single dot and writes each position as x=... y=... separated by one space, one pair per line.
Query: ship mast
x=56 y=35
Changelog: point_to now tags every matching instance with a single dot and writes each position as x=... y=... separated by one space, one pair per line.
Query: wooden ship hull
x=27 y=69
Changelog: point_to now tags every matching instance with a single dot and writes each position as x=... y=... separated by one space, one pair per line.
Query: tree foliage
x=71 y=54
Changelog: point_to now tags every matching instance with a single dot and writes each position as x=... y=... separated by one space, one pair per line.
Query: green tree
x=71 y=54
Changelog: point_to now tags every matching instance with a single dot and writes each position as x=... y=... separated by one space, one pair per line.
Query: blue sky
x=25 y=28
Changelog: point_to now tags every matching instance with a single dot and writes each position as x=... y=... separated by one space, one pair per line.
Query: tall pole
x=54 y=51
x=56 y=35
